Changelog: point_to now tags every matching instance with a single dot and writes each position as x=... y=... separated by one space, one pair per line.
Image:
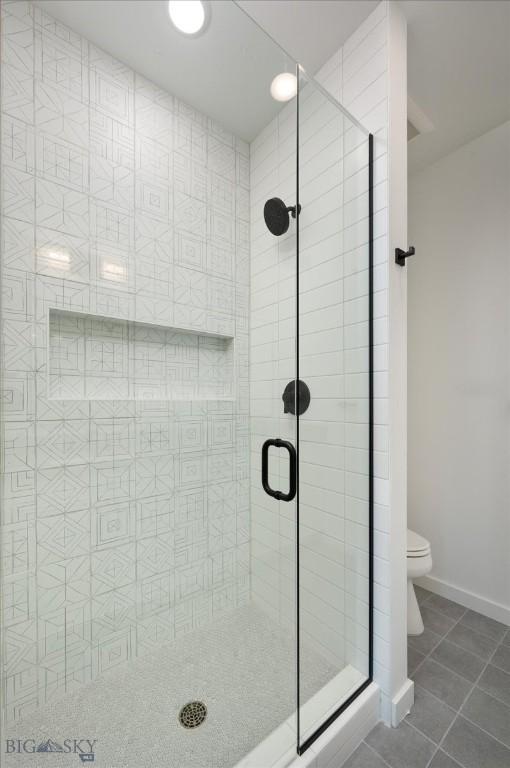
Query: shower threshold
x=278 y=749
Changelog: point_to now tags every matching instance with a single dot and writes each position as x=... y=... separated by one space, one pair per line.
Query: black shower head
x=276 y=215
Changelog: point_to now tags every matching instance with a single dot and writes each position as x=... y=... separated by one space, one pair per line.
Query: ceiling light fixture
x=284 y=86
x=188 y=16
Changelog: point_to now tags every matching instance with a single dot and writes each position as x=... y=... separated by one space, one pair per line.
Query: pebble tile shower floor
x=461 y=718
x=242 y=667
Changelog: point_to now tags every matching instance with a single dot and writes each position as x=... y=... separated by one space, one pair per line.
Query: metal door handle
x=277 y=443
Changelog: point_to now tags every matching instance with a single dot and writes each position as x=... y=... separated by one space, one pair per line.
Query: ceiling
x=226 y=72
x=458 y=71
x=310 y=30
x=458 y=57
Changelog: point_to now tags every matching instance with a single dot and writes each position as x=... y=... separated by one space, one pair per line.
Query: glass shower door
x=333 y=430
x=272 y=425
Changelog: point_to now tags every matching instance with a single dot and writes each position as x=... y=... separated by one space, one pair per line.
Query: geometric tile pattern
x=124 y=494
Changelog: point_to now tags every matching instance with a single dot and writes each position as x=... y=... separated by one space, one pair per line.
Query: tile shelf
x=96 y=357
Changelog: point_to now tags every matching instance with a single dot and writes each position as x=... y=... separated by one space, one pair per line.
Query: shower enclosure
x=186 y=500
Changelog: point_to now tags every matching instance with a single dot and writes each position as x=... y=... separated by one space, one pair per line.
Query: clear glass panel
x=143 y=566
x=149 y=350
x=273 y=368
x=333 y=361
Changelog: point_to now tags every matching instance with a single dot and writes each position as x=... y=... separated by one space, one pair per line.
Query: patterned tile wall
x=124 y=522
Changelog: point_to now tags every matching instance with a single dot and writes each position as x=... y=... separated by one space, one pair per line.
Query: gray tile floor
x=461 y=717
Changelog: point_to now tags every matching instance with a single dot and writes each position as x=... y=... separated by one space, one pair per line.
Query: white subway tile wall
x=364 y=92
x=334 y=359
x=272 y=329
x=125 y=515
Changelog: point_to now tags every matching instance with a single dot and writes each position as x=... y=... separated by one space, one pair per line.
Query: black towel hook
x=401 y=256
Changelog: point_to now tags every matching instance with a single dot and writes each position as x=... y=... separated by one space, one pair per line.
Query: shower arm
x=292 y=210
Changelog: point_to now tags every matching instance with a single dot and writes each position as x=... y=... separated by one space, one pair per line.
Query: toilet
x=419 y=563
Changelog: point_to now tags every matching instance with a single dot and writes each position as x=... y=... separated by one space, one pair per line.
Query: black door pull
x=277 y=443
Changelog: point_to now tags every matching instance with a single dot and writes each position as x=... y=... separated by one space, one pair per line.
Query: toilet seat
x=417 y=546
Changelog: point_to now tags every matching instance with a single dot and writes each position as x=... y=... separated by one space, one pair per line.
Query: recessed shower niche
x=93 y=357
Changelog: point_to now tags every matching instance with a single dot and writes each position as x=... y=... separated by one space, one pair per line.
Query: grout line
x=433 y=647
x=476 y=685
x=465 y=650
x=440 y=701
x=438 y=750
x=441 y=638
x=357 y=98
x=461 y=707
x=501 y=669
x=359 y=43
x=441 y=613
x=456 y=713
x=377 y=753
x=425 y=736
x=452 y=671
x=477 y=634
x=426 y=599
x=367 y=63
x=496 y=698
x=480 y=728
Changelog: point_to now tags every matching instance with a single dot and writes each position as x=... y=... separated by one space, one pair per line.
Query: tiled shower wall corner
x=124 y=522
x=273 y=165
x=272 y=306
x=334 y=474
x=334 y=364
x=364 y=92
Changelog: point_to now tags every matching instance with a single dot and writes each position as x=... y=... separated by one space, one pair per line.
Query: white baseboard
x=401 y=703
x=470 y=600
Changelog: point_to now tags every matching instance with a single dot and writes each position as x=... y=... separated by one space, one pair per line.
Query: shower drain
x=193 y=714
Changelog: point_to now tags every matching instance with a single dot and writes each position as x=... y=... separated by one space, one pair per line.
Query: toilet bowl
x=419 y=563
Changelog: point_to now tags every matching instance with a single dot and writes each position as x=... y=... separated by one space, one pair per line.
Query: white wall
x=459 y=377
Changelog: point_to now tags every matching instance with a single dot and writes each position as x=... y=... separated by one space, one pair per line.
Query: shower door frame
x=302 y=748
